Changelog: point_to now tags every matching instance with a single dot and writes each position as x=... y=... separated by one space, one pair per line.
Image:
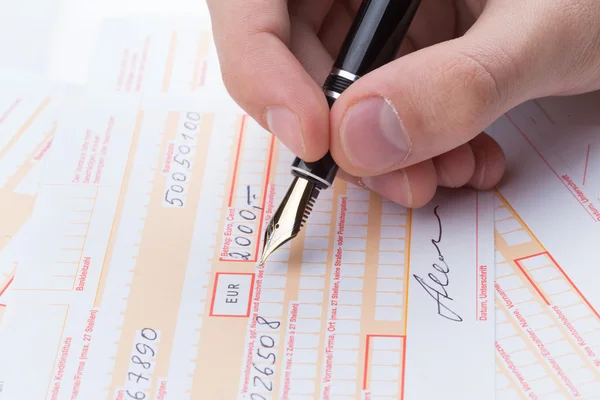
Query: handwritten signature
x=437 y=287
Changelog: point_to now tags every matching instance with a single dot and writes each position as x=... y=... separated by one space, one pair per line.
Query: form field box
x=232 y=294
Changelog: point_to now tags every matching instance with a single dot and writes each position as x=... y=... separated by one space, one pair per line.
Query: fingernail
x=478 y=177
x=395 y=187
x=372 y=135
x=286 y=126
x=443 y=177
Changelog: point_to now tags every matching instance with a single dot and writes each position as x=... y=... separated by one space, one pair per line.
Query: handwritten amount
x=436 y=286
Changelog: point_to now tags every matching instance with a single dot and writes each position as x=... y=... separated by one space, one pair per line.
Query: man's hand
x=417 y=122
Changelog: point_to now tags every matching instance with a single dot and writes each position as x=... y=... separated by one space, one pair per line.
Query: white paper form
x=548 y=324
x=568 y=154
x=573 y=127
x=158 y=295
x=156 y=55
x=331 y=309
x=27 y=122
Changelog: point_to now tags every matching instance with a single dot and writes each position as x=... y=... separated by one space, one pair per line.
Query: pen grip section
x=322 y=172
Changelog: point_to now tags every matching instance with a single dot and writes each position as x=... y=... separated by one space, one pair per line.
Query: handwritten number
x=137 y=360
x=179 y=177
x=258 y=378
x=145 y=349
x=245 y=241
x=185 y=163
x=256 y=396
x=175 y=201
x=194 y=116
x=272 y=324
x=245 y=229
x=138 y=376
x=183 y=149
x=272 y=344
x=190 y=125
x=137 y=395
x=247 y=215
x=268 y=357
x=240 y=256
x=149 y=334
x=267 y=372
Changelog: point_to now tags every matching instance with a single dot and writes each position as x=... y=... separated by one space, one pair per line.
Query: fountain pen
x=373 y=40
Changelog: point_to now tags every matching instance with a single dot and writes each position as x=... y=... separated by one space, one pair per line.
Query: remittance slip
x=547 y=233
x=144 y=278
x=137 y=268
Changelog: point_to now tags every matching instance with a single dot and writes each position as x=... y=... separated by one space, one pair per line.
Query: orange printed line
x=200 y=64
x=585 y=300
x=203 y=73
x=532 y=256
x=25 y=126
x=11 y=108
x=537 y=289
x=7 y=285
x=587 y=160
x=237 y=159
x=549 y=166
x=546 y=253
x=170 y=63
x=58 y=347
x=403 y=363
x=407 y=267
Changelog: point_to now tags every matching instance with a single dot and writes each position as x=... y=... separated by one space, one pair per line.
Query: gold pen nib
x=290 y=217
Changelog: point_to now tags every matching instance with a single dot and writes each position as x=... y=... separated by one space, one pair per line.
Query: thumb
x=435 y=99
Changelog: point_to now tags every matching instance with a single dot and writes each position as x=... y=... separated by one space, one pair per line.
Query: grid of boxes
x=384 y=366
x=391 y=270
x=546 y=331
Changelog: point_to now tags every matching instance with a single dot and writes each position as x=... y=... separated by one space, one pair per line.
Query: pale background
x=56 y=38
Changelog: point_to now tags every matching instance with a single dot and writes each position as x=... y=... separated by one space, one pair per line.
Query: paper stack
x=132 y=215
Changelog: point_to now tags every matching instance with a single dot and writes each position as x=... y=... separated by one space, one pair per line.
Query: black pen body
x=373 y=40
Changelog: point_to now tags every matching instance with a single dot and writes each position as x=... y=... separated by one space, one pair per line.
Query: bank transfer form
x=145 y=280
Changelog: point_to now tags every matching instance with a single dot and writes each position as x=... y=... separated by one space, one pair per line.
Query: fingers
x=413 y=186
x=456 y=167
x=429 y=102
x=490 y=163
x=479 y=165
x=263 y=76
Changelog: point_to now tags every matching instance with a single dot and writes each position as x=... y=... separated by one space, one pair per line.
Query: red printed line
x=548 y=164
x=214 y=294
x=3 y=305
x=237 y=159
x=537 y=289
x=264 y=202
x=403 y=362
x=587 y=160
x=6 y=286
x=203 y=73
x=264 y=197
x=585 y=300
x=476 y=255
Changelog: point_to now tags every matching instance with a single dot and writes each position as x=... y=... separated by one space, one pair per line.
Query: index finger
x=262 y=75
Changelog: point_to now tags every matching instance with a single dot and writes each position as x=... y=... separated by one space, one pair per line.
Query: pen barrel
x=373 y=40
x=376 y=34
